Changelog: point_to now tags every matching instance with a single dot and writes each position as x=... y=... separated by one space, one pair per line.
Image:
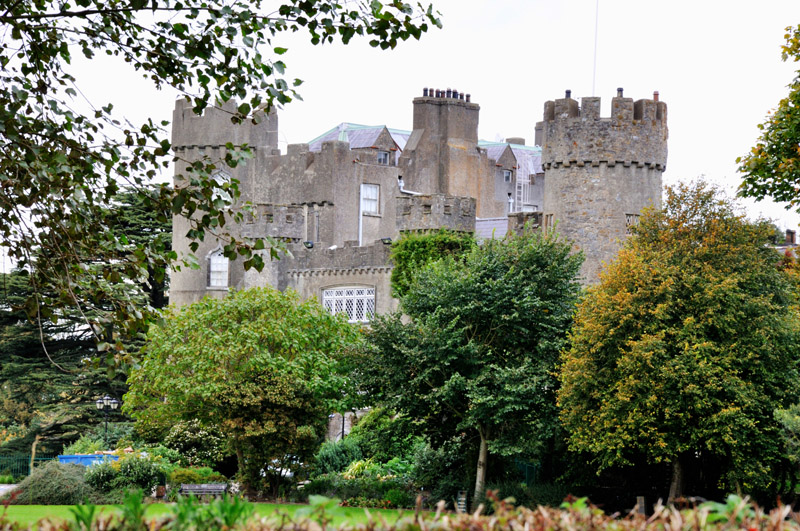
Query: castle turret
x=601 y=172
x=203 y=137
x=441 y=155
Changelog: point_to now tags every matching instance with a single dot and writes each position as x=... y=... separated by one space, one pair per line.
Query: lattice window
x=631 y=220
x=217 y=270
x=370 y=194
x=357 y=303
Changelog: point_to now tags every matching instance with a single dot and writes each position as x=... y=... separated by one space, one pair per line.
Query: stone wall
x=601 y=172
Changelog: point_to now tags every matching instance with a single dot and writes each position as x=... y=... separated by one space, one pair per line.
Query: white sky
x=715 y=63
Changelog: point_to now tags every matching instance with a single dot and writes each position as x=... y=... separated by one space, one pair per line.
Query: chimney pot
x=655 y=95
x=455 y=94
x=619 y=92
x=468 y=97
x=568 y=94
x=449 y=93
x=425 y=93
x=438 y=93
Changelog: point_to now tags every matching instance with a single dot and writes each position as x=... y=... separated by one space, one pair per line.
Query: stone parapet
x=435 y=211
x=635 y=133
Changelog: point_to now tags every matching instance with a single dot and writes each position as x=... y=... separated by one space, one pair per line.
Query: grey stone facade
x=334 y=199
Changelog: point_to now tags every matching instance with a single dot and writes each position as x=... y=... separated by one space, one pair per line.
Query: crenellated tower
x=601 y=172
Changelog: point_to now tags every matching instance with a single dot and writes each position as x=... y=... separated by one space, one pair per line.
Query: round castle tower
x=601 y=172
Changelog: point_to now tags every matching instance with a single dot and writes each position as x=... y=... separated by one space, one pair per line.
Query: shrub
x=334 y=485
x=336 y=456
x=195 y=475
x=84 y=445
x=6 y=479
x=137 y=471
x=100 y=476
x=401 y=498
x=53 y=483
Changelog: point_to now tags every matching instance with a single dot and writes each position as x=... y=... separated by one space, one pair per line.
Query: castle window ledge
x=371 y=214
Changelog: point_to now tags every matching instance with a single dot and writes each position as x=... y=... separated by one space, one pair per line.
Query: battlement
x=338 y=260
x=214 y=129
x=431 y=212
x=635 y=133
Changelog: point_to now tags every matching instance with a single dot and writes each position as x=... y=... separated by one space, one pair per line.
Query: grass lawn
x=30 y=514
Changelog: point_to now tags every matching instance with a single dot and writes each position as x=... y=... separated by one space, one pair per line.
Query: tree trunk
x=480 y=475
x=33 y=454
x=676 y=485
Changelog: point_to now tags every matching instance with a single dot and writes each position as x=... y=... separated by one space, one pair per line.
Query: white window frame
x=383 y=158
x=370 y=198
x=507 y=176
x=358 y=302
x=631 y=220
x=218 y=270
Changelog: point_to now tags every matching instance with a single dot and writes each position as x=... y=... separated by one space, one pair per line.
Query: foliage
x=53 y=483
x=261 y=366
x=64 y=160
x=685 y=348
x=382 y=435
x=195 y=475
x=6 y=479
x=336 y=456
x=367 y=487
x=479 y=353
x=772 y=168
x=84 y=445
x=197 y=444
x=414 y=250
x=134 y=471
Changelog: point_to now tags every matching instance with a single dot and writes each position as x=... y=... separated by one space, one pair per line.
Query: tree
x=772 y=168
x=479 y=352
x=415 y=250
x=47 y=386
x=685 y=348
x=61 y=165
x=260 y=366
x=47 y=390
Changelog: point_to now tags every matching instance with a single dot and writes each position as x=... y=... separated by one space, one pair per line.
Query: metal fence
x=530 y=471
x=20 y=465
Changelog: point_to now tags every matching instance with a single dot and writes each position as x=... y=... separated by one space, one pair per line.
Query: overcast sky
x=715 y=63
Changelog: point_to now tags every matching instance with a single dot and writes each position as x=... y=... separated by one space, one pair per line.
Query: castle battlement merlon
x=635 y=133
x=434 y=211
x=214 y=128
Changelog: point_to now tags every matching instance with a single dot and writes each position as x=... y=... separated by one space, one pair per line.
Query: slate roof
x=529 y=158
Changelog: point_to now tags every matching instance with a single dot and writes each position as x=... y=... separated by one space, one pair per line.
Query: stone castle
x=339 y=200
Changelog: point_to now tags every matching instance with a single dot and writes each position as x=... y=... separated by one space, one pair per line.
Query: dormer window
x=383 y=158
x=507 y=176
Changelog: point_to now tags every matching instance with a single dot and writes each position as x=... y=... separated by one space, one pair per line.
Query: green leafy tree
x=63 y=161
x=685 y=348
x=414 y=250
x=772 y=168
x=261 y=367
x=478 y=350
x=47 y=385
x=47 y=388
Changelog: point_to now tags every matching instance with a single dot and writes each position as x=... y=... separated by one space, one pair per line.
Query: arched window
x=357 y=302
x=217 y=270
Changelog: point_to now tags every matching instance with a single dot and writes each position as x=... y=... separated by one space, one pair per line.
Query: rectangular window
x=548 y=221
x=507 y=176
x=370 y=193
x=631 y=220
x=357 y=303
x=217 y=270
x=383 y=158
